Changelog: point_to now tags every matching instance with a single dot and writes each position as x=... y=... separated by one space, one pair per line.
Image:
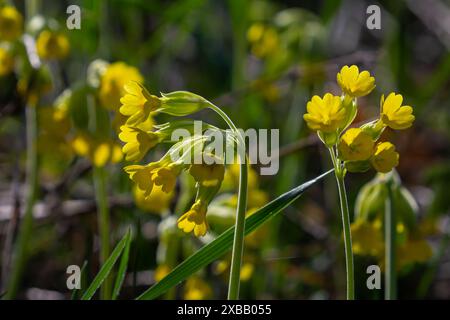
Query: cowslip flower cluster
x=52 y=45
x=137 y=106
x=358 y=148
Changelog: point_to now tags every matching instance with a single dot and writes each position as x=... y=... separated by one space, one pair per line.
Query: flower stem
x=27 y=222
x=390 y=236
x=103 y=225
x=339 y=173
x=238 y=242
x=26 y=227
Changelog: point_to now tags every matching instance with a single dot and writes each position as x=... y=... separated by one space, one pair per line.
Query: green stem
x=26 y=226
x=238 y=242
x=390 y=235
x=339 y=173
x=239 y=16
x=103 y=225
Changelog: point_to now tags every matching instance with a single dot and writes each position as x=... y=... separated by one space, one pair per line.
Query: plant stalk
x=390 y=279
x=238 y=242
x=339 y=173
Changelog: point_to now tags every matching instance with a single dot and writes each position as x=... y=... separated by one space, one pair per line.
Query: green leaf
x=107 y=267
x=223 y=243
x=122 y=269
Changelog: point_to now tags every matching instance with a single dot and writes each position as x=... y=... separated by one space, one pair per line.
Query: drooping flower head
x=112 y=83
x=393 y=114
x=208 y=175
x=137 y=142
x=355 y=83
x=356 y=145
x=385 y=158
x=264 y=40
x=209 y=179
x=162 y=173
x=11 y=23
x=196 y=289
x=325 y=114
x=413 y=251
x=137 y=103
x=52 y=45
x=157 y=202
x=195 y=219
x=367 y=238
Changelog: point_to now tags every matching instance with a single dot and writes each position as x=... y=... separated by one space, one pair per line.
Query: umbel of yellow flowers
x=138 y=105
x=358 y=147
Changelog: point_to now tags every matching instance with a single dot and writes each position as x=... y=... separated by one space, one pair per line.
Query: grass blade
x=106 y=268
x=122 y=269
x=222 y=244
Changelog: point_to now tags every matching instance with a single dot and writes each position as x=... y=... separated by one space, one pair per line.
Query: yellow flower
x=138 y=103
x=325 y=114
x=354 y=83
x=208 y=175
x=161 y=173
x=112 y=83
x=97 y=151
x=355 y=145
x=255 y=32
x=105 y=152
x=367 y=238
x=222 y=267
x=196 y=289
x=52 y=45
x=195 y=219
x=137 y=142
x=264 y=40
x=6 y=62
x=385 y=157
x=160 y=272
x=413 y=251
x=393 y=114
x=10 y=23
x=157 y=202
